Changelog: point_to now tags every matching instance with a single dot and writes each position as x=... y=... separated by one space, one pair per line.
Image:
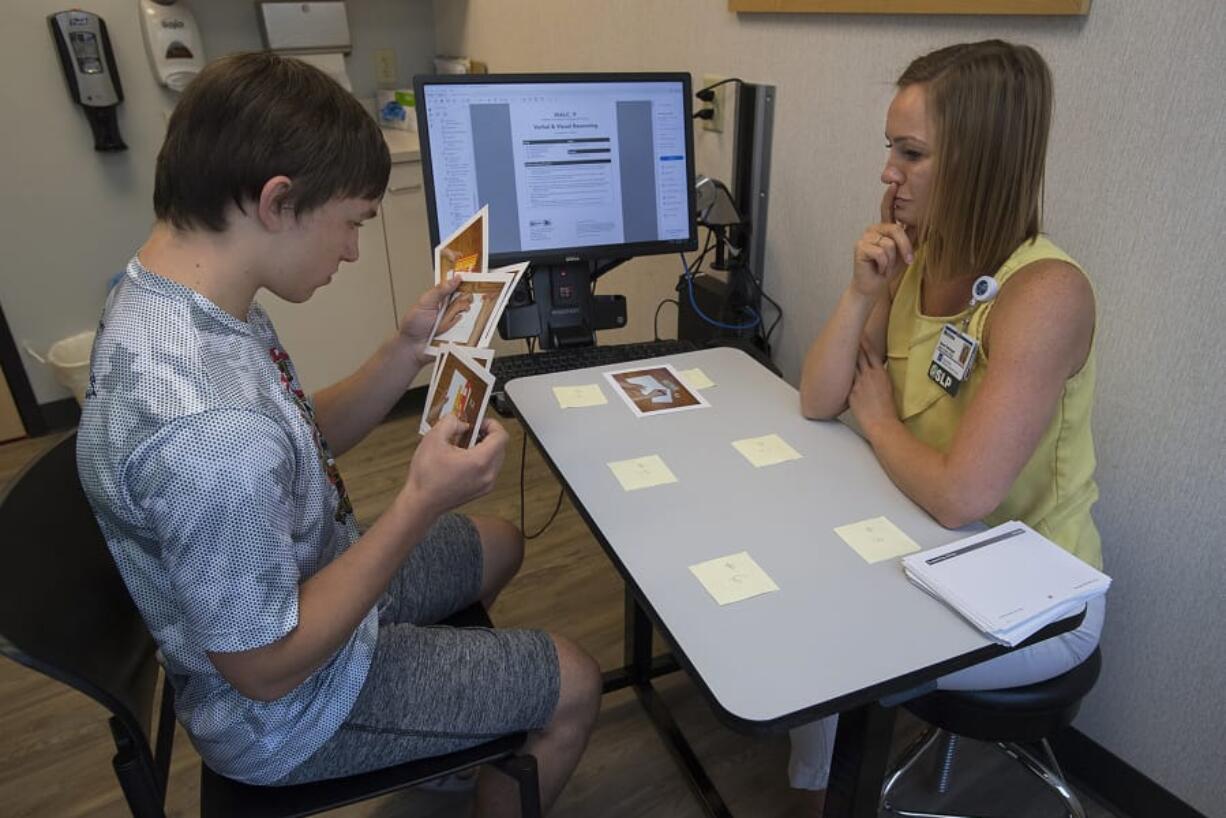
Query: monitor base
x=555 y=304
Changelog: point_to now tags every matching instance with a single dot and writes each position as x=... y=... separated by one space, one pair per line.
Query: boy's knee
x=581 y=683
x=503 y=545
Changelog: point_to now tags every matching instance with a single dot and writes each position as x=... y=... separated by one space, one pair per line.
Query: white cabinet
x=409 y=255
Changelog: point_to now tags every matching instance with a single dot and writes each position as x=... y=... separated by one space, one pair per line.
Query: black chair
x=1011 y=718
x=65 y=612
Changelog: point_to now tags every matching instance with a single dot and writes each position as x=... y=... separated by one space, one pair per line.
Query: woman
x=998 y=427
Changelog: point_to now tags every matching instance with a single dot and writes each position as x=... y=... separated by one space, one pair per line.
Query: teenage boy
x=297 y=646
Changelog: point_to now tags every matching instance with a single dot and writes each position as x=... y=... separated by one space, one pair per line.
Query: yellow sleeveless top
x=1056 y=488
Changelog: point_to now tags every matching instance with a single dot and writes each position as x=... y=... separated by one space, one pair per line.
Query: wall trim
x=19 y=382
x=1114 y=782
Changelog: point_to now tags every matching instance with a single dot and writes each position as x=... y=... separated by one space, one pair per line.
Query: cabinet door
x=410 y=257
x=343 y=323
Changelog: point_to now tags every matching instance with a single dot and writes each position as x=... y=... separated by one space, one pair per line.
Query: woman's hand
x=871 y=399
x=883 y=252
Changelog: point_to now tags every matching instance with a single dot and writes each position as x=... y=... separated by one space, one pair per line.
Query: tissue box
x=397 y=109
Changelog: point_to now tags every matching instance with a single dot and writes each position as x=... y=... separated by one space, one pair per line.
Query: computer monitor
x=580 y=171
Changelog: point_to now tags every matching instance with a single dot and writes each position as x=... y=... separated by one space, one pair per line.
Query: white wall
x=1136 y=186
x=72 y=217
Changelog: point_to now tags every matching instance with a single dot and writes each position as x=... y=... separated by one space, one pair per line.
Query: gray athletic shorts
x=433 y=689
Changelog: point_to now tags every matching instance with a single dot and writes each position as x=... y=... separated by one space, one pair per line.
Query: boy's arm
x=333 y=602
x=217 y=491
x=347 y=410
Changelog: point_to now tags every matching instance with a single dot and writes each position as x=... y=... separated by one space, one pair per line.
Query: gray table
x=840 y=635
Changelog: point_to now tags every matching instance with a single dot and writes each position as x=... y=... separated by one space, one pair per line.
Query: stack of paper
x=1009 y=581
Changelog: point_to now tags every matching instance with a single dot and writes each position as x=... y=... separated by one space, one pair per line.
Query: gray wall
x=1136 y=185
x=71 y=217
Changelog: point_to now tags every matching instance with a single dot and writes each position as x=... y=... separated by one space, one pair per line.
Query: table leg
x=637 y=641
x=640 y=669
x=861 y=751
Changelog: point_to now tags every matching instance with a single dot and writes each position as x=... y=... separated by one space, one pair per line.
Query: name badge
x=952 y=359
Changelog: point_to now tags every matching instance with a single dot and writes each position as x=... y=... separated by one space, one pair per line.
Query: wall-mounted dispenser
x=173 y=42
x=89 y=66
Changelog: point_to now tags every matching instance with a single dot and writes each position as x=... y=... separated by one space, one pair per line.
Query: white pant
x=813 y=743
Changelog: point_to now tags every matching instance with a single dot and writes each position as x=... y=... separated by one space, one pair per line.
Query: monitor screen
x=588 y=166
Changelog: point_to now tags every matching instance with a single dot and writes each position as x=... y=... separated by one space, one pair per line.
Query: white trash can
x=69 y=360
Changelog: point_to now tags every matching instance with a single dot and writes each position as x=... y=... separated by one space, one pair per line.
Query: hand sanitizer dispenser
x=89 y=66
x=173 y=42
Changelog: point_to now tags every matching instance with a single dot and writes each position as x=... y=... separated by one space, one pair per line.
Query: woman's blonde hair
x=990 y=103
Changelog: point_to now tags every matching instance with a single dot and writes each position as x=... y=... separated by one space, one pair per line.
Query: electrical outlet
x=385 y=67
x=716 y=122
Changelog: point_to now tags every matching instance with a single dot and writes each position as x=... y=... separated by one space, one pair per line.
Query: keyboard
x=509 y=367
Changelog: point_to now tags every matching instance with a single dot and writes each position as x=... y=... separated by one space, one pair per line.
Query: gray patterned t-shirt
x=217 y=498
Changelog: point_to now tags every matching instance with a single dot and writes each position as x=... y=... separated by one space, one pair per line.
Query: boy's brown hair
x=249 y=117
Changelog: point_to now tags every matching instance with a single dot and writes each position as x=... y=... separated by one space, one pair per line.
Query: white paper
x=1009 y=581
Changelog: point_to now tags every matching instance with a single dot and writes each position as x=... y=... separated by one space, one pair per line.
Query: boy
x=295 y=643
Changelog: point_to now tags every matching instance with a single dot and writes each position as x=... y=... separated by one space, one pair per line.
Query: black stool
x=1010 y=718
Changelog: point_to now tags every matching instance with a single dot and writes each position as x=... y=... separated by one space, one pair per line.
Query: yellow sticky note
x=766 y=450
x=577 y=397
x=642 y=472
x=696 y=379
x=876 y=539
x=733 y=578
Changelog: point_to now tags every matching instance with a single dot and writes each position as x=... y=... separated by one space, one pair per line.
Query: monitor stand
x=555 y=304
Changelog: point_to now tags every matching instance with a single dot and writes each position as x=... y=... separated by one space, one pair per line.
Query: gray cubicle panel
x=838 y=627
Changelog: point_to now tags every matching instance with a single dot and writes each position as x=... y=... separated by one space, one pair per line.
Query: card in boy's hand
x=482 y=356
x=460 y=387
x=517 y=272
x=466 y=250
x=485 y=295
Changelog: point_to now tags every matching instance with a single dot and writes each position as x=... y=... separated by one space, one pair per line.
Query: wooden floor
x=55 y=749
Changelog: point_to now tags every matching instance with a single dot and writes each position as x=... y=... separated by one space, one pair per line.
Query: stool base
x=1047 y=770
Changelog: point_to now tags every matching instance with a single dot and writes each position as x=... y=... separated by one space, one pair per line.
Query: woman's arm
x=1041 y=328
x=860 y=319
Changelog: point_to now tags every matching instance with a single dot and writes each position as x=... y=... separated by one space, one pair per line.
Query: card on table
x=733 y=578
x=654 y=390
x=578 y=397
x=877 y=539
x=460 y=387
x=642 y=472
x=766 y=450
x=696 y=379
x=465 y=250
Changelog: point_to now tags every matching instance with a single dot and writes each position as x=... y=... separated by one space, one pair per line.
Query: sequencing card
x=475 y=327
x=465 y=250
x=517 y=272
x=654 y=390
x=481 y=357
x=461 y=387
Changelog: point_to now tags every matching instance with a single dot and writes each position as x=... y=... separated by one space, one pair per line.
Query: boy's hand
x=419 y=320
x=444 y=476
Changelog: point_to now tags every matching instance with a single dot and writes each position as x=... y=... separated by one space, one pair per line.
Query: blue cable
x=689 y=278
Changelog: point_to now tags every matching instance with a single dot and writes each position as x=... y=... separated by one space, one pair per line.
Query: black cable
x=523 y=459
x=707 y=94
x=655 y=323
x=778 y=309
